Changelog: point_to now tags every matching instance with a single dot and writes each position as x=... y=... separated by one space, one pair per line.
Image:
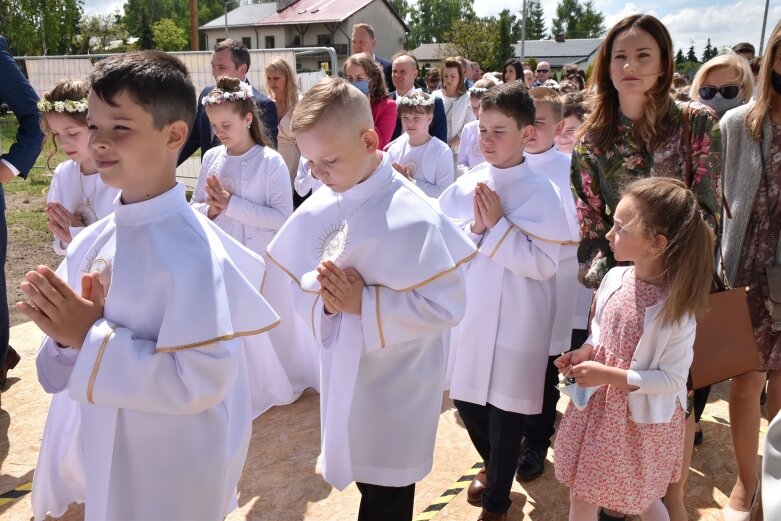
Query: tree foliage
x=168 y=36
x=709 y=52
x=40 y=26
x=435 y=17
x=679 y=57
x=691 y=56
x=486 y=41
x=576 y=20
x=535 y=22
x=503 y=48
x=401 y=7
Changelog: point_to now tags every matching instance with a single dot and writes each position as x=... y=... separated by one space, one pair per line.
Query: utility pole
x=764 y=24
x=523 y=34
x=194 y=25
x=225 y=3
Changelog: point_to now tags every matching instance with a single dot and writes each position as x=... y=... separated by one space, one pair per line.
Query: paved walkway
x=281 y=481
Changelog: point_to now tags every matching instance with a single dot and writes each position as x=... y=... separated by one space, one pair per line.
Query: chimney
x=284 y=4
x=559 y=37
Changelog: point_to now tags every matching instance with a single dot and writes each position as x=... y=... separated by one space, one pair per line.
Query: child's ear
x=659 y=243
x=370 y=140
x=559 y=128
x=177 y=135
x=526 y=134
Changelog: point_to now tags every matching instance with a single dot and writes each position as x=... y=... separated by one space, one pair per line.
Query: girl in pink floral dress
x=625 y=447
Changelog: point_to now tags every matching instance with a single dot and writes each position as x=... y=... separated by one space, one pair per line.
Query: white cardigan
x=660 y=365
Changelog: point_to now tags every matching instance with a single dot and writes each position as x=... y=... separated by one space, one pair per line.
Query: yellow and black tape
x=445 y=498
x=13 y=495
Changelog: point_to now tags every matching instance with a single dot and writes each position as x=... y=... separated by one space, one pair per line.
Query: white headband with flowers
x=417 y=101
x=244 y=92
x=478 y=90
x=63 y=106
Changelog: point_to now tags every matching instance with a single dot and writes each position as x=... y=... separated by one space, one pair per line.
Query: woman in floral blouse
x=635 y=130
x=752 y=183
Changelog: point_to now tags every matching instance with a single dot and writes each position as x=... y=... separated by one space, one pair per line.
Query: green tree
x=709 y=52
x=435 y=17
x=535 y=23
x=98 y=32
x=503 y=48
x=401 y=7
x=691 y=56
x=36 y=27
x=168 y=36
x=679 y=58
x=475 y=40
x=576 y=20
x=145 y=37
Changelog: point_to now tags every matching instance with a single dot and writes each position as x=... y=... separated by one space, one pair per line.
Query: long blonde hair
x=668 y=208
x=601 y=125
x=291 y=81
x=65 y=90
x=764 y=98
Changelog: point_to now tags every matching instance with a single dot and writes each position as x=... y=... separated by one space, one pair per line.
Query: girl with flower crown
x=77 y=197
x=244 y=187
x=425 y=161
x=469 y=153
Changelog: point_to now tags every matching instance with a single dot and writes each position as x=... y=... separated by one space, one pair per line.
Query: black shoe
x=606 y=517
x=11 y=360
x=531 y=464
x=698 y=437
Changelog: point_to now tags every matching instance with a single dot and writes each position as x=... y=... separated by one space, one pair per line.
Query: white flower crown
x=244 y=92
x=478 y=90
x=63 y=106
x=417 y=101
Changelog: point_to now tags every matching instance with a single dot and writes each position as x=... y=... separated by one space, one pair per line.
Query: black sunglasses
x=543 y=70
x=727 y=91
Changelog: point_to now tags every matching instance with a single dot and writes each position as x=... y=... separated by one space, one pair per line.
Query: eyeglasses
x=726 y=91
x=543 y=70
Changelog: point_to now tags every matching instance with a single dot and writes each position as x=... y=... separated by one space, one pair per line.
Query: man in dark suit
x=363 y=40
x=230 y=58
x=16 y=92
x=404 y=72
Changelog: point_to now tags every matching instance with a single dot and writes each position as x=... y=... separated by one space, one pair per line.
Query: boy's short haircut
x=549 y=97
x=157 y=81
x=744 y=48
x=511 y=99
x=573 y=105
x=239 y=53
x=332 y=99
x=416 y=103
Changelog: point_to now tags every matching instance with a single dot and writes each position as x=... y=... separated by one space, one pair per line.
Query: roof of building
x=243 y=15
x=576 y=50
x=298 y=12
x=429 y=51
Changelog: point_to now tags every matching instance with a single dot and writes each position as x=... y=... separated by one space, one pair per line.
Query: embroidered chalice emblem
x=412 y=168
x=334 y=242
x=101 y=264
x=476 y=149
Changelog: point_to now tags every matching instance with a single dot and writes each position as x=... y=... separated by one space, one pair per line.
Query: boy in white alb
x=516 y=218
x=544 y=159
x=372 y=265
x=425 y=161
x=147 y=326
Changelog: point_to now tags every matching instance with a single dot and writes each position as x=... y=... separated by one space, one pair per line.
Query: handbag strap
x=720 y=282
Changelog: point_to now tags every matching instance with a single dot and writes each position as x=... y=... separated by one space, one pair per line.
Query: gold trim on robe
x=379 y=319
x=96 y=367
x=222 y=338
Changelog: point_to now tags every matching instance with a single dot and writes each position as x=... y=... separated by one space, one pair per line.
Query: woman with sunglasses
x=722 y=83
x=752 y=183
x=635 y=130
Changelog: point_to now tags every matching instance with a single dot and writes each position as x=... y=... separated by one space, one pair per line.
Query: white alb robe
x=500 y=349
x=430 y=165
x=556 y=166
x=381 y=372
x=161 y=378
x=469 y=153
x=85 y=195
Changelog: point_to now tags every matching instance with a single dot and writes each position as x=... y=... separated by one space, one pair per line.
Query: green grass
x=32 y=221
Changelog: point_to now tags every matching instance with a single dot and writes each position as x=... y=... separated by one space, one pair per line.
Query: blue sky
x=725 y=22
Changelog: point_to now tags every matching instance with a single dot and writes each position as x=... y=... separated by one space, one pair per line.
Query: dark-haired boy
x=517 y=220
x=148 y=324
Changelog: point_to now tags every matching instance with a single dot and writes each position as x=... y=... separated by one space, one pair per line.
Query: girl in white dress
x=244 y=187
x=77 y=196
x=425 y=161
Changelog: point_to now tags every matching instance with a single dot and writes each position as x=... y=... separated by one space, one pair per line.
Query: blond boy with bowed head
x=372 y=265
x=545 y=160
x=516 y=218
x=147 y=319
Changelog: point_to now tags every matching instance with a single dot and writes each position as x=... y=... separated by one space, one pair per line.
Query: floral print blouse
x=598 y=176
